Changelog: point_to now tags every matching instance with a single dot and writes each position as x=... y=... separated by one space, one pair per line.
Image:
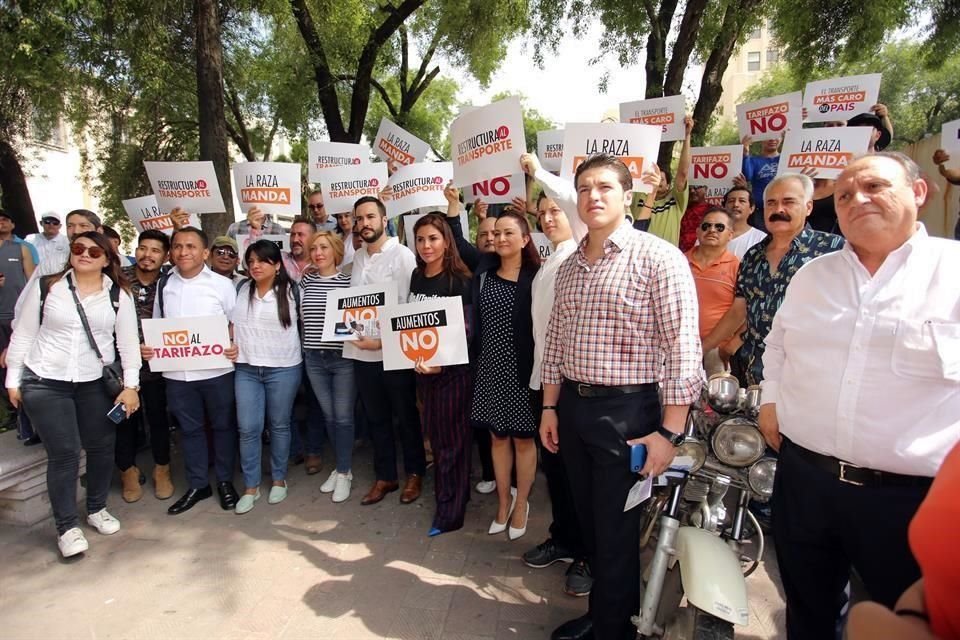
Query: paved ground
x=305 y=568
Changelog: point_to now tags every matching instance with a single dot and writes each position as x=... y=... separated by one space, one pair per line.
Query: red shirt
x=691 y=219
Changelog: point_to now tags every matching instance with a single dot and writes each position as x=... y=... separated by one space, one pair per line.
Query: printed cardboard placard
x=487 y=142
x=770 y=118
x=355 y=311
x=410 y=220
x=544 y=246
x=244 y=240
x=636 y=144
x=145 y=213
x=418 y=185
x=433 y=330
x=715 y=166
x=192 y=186
x=187 y=344
x=500 y=190
x=342 y=186
x=826 y=150
x=950 y=139
x=273 y=187
x=666 y=113
x=839 y=99
x=395 y=144
x=550 y=149
x=324 y=155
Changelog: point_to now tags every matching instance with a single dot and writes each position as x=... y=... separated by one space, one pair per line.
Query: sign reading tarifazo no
x=431 y=331
x=714 y=168
x=770 y=118
x=187 y=344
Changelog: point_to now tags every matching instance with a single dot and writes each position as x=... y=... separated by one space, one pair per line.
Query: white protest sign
x=244 y=240
x=273 y=187
x=323 y=155
x=826 y=150
x=410 y=221
x=950 y=137
x=636 y=144
x=354 y=311
x=500 y=190
x=418 y=185
x=839 y=99
x=715 y=166
x=342 y=186
x=487 y=142
x=550 y=149
x=145 y=213
x=544 y=246
x=666 y=113
x=395 y=144
x=187 y=344
x=770 y=118
x=433 y=330
x=191 y=186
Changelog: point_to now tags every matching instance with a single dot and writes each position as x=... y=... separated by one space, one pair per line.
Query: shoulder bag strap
x=83 y=320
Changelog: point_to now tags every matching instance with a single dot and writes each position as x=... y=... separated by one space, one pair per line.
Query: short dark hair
x=91 y=217
x=606 y=161
x=111 y=233
x=749 y=195
x=304 y=220
x=667 y=173
x=719 y=210
x=155 y=234
x=366 y=199
x=203 y=236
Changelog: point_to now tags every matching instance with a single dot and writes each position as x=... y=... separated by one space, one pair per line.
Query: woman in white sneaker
x=269 y=368
x=331 y=376
x=54 y=370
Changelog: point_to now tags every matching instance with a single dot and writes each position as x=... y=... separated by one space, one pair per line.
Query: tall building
x=759 y=53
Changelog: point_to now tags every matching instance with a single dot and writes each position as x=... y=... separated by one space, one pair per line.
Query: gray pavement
x=305 y=568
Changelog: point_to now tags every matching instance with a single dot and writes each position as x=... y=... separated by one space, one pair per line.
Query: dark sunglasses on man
x=52 y=221
x=225 y=252
x=719 y=226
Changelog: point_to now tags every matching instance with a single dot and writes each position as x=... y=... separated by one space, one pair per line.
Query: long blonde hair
x=336 y=243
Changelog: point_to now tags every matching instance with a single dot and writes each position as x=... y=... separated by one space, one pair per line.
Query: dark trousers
x=70 y=416
x=593 y=435
x=190 y=402
x=385 y=395
x=822 y=527
x=153 y=416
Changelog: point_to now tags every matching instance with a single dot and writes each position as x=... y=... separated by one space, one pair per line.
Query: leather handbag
x=112 y=374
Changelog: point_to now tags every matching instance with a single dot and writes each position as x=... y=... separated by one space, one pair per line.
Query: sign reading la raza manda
x=273 y=187
x=191 y=186
x=418 y=185
x=770 y=118
x=487 y=142
x=145 y=213
x=395 y=144
x=187 y=344
x=432 y=330
x=666 y=113
x=342 y=186
x=826 y=150
x=840 y=99
x=355 y=311
x=636 y=145
x=323 y=155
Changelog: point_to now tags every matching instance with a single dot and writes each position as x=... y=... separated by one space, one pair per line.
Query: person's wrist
x=549 y=407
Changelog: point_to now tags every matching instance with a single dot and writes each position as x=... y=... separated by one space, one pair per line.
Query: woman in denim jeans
x=330 y=375
x=268 y=370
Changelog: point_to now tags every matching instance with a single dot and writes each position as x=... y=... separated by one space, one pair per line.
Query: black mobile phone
x=118 y=413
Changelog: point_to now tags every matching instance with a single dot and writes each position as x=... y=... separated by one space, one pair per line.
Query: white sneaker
x=342 y=490
x=486 y=486
x=330 y=484
x=103 y=522
x=72 y=542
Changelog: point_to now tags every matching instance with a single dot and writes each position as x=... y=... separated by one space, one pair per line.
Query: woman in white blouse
x=53 y=370
x=268 y=369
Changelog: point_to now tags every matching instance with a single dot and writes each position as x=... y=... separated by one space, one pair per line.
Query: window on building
x=48 y=131
x=753 y=61
x=755 y=34
x=773 y=56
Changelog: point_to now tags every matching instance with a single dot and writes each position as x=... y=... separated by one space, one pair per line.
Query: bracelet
x=912 y=613
x=548 y=407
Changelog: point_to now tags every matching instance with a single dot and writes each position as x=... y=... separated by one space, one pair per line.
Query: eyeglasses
x=225 y=252
x=315 y=207
x=93 y=251
x=719 y=226
x=52 y=221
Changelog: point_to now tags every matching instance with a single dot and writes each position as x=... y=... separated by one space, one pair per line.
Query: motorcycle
x=704 y=539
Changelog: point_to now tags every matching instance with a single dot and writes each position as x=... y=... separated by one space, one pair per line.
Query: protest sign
x=666 y=113
x=432 y=330
x=342 y=186
x=354 y=311
x=273 y=187
x=323 y=155
x=410 y=221
x=839 y=99
x=191 y=186
x=244 y=240
x=770 y=118
x=487 y=142
x=418 y=185
x=950 y=137
x=395 y=144
x=500 y=190
x=550 y=149
x=145 y=213
x=544 y=246
x=636 y=144
x=715 y=166
x=826 y=150
x=187 y=344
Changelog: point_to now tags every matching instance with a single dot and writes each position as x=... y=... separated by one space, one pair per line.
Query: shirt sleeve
x=128 y=340
x=404 y=270
x=564 y=194
x=28 y=326
x=229 y=299
x=552 y=350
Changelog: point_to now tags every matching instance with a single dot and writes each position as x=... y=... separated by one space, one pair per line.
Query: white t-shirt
x=742 y=243
x=257 y=332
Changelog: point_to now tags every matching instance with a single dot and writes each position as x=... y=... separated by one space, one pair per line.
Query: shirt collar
x=205 y=272
x=387 y=246
x=905 y=250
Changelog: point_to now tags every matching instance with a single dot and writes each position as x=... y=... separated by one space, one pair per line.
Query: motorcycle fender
x=711 y=575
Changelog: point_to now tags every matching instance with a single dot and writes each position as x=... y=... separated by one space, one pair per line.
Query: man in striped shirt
x=624 y=328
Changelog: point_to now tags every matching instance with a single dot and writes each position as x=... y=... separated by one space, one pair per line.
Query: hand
x=386 y=194
x=256 y=217
x=451 y=193
x=130 y=400
x=231 y=352
x=529 y=164
x=14 y=394
x=688 y=123
x=367 y=344
x=3 y=359
x=549 y=432
x=146 y=352
x=421 y=368
x=940 y=157
x=519 y=205
x=660 y=453
x=480 y=209
x=651 y=178
x=746 y=141
x=740 y=180
x=769 y=427
x=803 y=114
x=730 y=347
x=3 y=279
x=880 y=110
x=179 y=218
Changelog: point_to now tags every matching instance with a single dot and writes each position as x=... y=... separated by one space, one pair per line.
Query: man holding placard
x=941 y=158
x=672 y=196
x=256 y=225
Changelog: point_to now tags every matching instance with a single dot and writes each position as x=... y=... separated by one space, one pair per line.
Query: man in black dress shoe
x=191 y=289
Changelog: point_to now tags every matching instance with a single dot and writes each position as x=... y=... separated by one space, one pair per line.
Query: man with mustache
x=767 y=269
x=297 y=260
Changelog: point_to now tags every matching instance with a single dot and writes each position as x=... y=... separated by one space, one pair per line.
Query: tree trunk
x=656 y=63
x=16 y=198
x=213 y=130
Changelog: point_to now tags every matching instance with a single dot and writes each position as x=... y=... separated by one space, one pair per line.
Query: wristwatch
x=676 y=439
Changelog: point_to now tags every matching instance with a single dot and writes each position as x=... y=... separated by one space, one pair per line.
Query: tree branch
x=268 y=144
x=326 y=87
x=240 y=135
x=385 y=96
x=404 y=60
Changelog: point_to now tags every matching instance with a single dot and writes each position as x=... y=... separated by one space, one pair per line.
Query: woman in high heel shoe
x=503 y=347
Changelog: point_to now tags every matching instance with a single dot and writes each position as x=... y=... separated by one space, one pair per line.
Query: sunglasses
x=93 y=251
x=50 y=221
x=225 y=252
x=706 y=226
x=315 y=207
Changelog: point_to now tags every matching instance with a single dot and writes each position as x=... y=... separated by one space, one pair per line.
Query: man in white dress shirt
x=861 y=394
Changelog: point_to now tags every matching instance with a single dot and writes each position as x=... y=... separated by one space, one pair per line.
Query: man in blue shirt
x=758 y=171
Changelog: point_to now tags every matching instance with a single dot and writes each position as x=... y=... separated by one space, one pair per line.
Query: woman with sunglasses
x=268 y=368
x=54 y=370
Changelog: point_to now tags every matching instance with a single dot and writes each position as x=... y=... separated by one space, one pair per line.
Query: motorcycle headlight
x=761 y=476
x=738 y=442
x=695 y=450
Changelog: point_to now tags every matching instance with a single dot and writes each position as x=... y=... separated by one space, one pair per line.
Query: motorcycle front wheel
x=691 y=623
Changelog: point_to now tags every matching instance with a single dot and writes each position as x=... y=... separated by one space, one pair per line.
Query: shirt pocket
x=927 y=349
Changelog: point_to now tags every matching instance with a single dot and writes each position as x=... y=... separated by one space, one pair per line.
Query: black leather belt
x=585 y=390
x=859 y=476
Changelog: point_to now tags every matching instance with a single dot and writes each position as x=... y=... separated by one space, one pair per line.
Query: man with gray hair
x=767 y=269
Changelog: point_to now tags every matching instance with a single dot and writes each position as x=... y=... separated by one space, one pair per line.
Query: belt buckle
x=580 y=387
x=843 y=473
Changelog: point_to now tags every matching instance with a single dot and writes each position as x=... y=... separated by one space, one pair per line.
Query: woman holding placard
x=503 y=347
x=269 y=364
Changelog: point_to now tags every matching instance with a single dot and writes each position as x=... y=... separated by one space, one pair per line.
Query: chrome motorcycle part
x=761 y=477
x=722 y=392
x=738 y=442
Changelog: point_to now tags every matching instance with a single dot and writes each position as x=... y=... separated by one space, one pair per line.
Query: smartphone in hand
x=118 y=413
x=638 y=457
